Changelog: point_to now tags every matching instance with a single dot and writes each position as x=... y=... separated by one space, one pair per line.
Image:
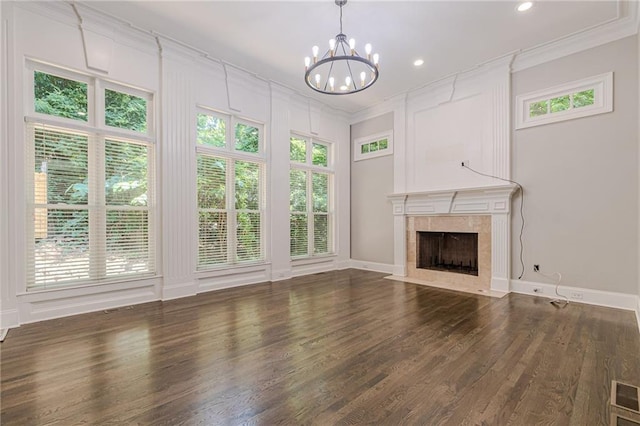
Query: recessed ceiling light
x=525 y=6
x=418 y=62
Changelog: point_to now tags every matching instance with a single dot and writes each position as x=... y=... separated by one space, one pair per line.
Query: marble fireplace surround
x=485 y=210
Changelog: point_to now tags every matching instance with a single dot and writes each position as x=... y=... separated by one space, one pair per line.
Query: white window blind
x=321 y=218
x=89 y=207
x=212 y=247
x=298 y=206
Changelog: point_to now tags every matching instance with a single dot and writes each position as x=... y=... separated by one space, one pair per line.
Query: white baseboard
x=41 y=310
x=343 y=264
x=235 y=280
x=280 y=274
x=309 y=269
x=589 y=296
x=9 y=318
x=372 y=266
x=176 y=291
x=3 y=334
x=500 y=284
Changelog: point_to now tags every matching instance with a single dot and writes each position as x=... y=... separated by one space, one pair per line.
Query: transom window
x=590 y=96
x=231 y=184
x=311 y=197
x=373 y=146
x=90 y=180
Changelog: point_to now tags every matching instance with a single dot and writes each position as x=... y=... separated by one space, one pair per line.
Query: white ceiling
x=271 y=38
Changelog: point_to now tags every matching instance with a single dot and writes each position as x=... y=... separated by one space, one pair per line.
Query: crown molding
x=393 y=104
x=607 y=32
x=120 y=31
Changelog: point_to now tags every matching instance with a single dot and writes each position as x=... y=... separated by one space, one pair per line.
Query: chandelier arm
x=353 y=80
x=328 y=75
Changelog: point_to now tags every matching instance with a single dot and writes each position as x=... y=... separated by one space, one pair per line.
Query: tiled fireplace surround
x=484 y=210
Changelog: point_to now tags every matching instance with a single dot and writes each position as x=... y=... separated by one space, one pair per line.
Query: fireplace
x=483 y=211
x=448 y=251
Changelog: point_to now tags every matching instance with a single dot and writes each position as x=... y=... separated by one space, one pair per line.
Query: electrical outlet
x=576 y=296
x=536 y=268
x=464 y=163
x=537 y=290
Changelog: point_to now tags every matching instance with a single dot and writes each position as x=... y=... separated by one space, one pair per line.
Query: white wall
x=8 y=311
x=180 y=80
x=638 y=120
x=371 y=213
x=462 y=118
x=581 y=178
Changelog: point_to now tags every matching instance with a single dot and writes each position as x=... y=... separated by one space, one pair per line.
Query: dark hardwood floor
x=344 y=347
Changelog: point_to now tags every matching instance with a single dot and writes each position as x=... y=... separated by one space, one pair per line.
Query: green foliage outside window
x=211 y=131
x=584 y=98
x=247 y=185
x=297 y=150
x=319 y=155
x=60 y=97
x=211 y=182
x=379 y=145
x=247 y=138
x=562 y=103
x=537 y=109
x=125 y=111
x=298 y=190
x=126 y=171
x=320 y=187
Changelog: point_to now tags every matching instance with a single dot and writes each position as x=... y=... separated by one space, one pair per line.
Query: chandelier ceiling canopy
x=341 y=70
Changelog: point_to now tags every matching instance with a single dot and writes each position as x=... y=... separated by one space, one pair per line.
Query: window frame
x=359 y=142
x=309 y=168
x=601 y=84
x=231 y=155
x=97 y=133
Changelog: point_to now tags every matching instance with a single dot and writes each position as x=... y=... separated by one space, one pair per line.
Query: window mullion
x=97 y=211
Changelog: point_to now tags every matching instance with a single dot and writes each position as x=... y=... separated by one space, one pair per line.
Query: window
x=373 y=146
x=577 y=99
x=231 y=182
x=311 y=203
x=91 y=187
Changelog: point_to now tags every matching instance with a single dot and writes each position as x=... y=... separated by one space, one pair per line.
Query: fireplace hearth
x=448 y=251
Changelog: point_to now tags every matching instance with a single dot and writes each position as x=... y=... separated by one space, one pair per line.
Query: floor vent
x=625 y=396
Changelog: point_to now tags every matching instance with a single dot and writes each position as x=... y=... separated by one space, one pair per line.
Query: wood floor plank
x=345 y=347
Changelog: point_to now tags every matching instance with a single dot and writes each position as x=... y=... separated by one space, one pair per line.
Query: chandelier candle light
x=341 y=70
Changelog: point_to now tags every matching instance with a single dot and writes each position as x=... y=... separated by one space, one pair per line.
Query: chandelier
x=341 y=70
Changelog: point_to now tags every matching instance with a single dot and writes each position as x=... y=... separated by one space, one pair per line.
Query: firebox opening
x=448 y=251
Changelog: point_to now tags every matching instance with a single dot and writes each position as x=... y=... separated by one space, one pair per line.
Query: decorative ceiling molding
x=587 y=39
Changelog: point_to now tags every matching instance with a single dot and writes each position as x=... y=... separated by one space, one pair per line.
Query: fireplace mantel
x=487 y=200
